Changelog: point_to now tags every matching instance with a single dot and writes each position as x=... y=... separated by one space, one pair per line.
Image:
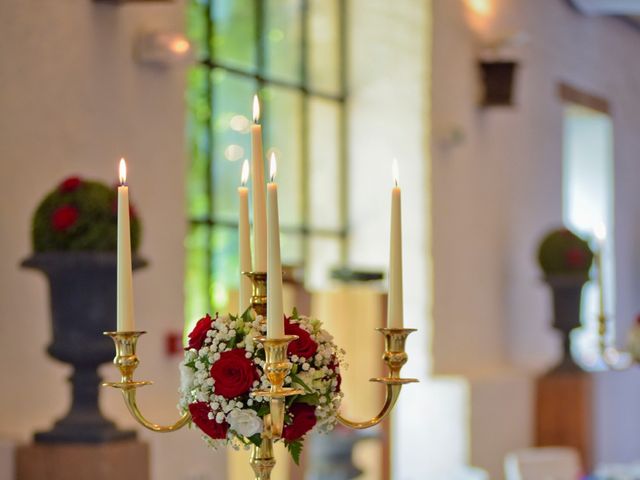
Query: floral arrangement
x=563 y=252
x=80 y=215
x=224 y=363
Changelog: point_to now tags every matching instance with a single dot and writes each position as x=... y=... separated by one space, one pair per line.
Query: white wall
x=498 y=191
x=72 y=100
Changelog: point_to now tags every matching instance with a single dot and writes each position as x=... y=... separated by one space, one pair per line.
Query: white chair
x=543 y=463
x=470 y=473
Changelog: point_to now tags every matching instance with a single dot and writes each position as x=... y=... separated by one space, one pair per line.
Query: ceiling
x=627 y=9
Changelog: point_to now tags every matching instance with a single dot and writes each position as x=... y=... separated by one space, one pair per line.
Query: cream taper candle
x=395 y=302
x=275 y=311
x=125 y=320
x=244 y=245
x=257 y=185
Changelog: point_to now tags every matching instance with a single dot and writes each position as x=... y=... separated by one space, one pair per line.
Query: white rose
x=245 y=422
x=186 y=378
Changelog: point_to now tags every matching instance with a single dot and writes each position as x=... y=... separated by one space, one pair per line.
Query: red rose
x=575 y=258
x=304 y=346
x=64 y=217
x=199 y=333
x=70 y=184
x=303 y=419
x=200 y=416
x=233 y=373
x=333 y=366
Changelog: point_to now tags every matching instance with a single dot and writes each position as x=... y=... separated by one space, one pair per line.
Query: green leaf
x=295 y=449
x=246 y=316
x=255 y=439
x=294 y=314
x=310 y=399
x=264 y=409
x=296 y=379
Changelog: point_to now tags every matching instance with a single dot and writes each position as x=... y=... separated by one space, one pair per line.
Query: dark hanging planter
x=498 y=83
x=567 y=295
x=82 y=289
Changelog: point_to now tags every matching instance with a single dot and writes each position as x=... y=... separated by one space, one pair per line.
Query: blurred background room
x=515 y=128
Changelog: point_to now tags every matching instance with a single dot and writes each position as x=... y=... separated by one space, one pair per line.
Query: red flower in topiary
x=233 y=373
x=303 y=419
x=199 y=333
x=304 y=346
x=64 y=217
x=70 y=184
x=575 y=258
x=200 y=416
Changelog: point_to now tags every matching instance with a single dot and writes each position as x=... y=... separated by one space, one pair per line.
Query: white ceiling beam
x=608 y=7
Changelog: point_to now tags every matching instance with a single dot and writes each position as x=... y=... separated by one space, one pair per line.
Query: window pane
x=232 y=96
x=196 y=283
x=324 y=254
x=225 y=266
x=197 y=27
x=234 y=31
x=325 y=175
x=291 y=247
x=283 y=22
x=283 y=135
x=323 y=50
x=198 y=142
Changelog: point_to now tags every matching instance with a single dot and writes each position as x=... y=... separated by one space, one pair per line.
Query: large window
x=588 y=188
x=291 y=53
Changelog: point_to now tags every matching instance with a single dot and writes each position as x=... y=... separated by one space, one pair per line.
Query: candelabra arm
x=394 y=357
x=129 y=396
x=127 y=361
x=393 y=392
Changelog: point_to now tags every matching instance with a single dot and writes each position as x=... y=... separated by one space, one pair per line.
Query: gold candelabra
x=612 y=357
x=277 y=368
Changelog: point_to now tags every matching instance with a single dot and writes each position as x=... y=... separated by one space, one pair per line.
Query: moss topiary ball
x=80 y=215
x=563 y=252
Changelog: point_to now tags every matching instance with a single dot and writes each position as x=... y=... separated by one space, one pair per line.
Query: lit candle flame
x=273 y=167
x=256 y=109
x=396 y=173
x=245 y=173
x=123 y=172
x=600 y=232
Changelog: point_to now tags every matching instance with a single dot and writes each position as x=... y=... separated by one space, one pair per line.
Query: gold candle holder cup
x=258 y=292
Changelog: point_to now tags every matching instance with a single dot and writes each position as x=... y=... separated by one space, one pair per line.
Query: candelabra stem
x=262 y=460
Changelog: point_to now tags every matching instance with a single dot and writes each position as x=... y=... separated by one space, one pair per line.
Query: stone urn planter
x=566 y=290
x=82 y=287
